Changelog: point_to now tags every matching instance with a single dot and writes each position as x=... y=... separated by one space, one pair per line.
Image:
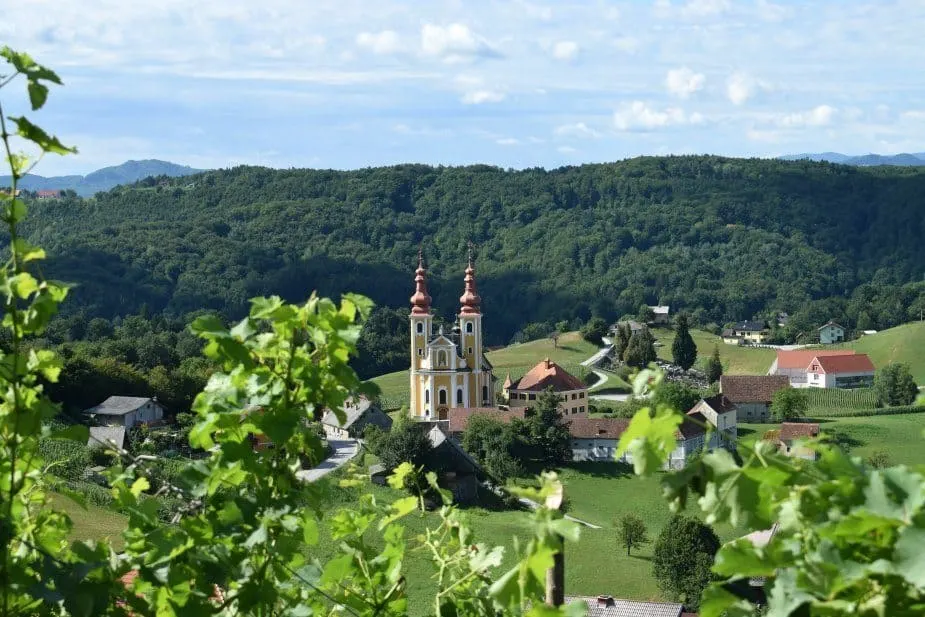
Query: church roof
x=440 y=341
x=507 y=382
x=548 y=374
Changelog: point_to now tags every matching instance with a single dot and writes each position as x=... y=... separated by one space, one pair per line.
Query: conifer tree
x=714 y=366
x=683 y=349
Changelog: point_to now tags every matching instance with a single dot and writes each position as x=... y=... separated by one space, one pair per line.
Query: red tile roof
x=597 y=428
x=831 y=365
x=459 y=416
x=752 y=388
x=546 y=374
x=800 y=358
x=798 y=430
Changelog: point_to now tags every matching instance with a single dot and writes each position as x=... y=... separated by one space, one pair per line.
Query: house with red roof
x=597 y=439
x=855 y=371
x=524 y=392
x=793 y=363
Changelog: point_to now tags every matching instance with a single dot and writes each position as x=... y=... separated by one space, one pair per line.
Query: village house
x=752 y=394
x=459 y=417
x=789 y=437
x=634 y=326
x=572 y=392
x=722 y=414
x=692 y=433
x=358 y=414
x=855 y=371
x=127 y=411
x=48 y=194
x=746 y=333
x=608 y=606
x=596 y=439
x=660 y=315
x=794 y=363
x=456 y=470
x=831 y=333
x=106 y=437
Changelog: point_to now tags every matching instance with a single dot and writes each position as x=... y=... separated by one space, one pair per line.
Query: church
x=448 y=369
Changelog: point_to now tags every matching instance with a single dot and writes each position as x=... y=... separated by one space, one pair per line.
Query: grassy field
x=830 y=402
x=737 y=360
x=92 y=523
x=899 y=436
x=515 y=359
x=905 y=343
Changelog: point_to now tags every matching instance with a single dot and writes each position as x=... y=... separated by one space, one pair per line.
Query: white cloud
x=454 y=43
x=640 y=116
x=538 y=11
x=820 y=115
x=565 y=50
x=568 y=150
x=383 y=43
x=769 y=11
x=913 y=114
x=507 y=141
x=739 y=88
x=477 y=97
x=626 y=44
x=691 y=8
x=578 y=129
x=683 y=82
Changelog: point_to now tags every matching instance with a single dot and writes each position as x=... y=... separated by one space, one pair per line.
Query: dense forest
x=723 y=238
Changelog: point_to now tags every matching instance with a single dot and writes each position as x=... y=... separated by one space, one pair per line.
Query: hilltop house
x=793 y=364
x=660 y=315
x=789 y=436
x=854 y=371
x=127 y=411
x=746 y=333
x=596 y=439
x=47 y=194
x=357 y=416
x=752 y=394
x=572 y=392
x=831 y=333
x=608 y=606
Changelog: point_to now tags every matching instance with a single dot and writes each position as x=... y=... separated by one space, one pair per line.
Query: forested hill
x=729 y=237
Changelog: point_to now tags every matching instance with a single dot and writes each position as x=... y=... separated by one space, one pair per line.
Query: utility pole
x=555 y=576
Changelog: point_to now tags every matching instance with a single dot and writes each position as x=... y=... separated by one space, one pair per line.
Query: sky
x=519 y=83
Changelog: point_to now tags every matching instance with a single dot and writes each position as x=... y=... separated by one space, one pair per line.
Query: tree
x=683 y=349
x=683 y=557
x=495 y=445
x=676 y=395
x=554 y=335
x=621 y=340
x=789 y=404
x=714 y=366
x=646 y=315
x=546 y=432
x=405 y=443
x=595 y=330
x=562 y=326
x=631 y=532
x=879 y=459
x=640 y=350
x=895 y=385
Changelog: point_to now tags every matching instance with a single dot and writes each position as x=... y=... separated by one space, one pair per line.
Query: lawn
x=899 y=436
x=92 y=523
x=736 y=359
x=903 y=343
x=517 y=359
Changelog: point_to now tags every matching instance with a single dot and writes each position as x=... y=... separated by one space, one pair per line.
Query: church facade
x=448 y=369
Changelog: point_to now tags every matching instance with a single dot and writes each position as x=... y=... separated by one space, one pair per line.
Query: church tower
x=470 y=339
x=421 y=330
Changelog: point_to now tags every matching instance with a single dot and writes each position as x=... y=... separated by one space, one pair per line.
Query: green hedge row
x=857 y=413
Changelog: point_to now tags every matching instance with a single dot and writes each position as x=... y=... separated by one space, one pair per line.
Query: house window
x=420 y=328
x=442 y=397
x=582 y=408
x=531 y=397
x=581 y=395
x=485 y=393
x=459 y=396
x=441 y=358
x=420 y=352
x=574 y=396
x=469 y=327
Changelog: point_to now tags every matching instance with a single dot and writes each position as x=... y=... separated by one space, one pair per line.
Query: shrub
x=66 y=459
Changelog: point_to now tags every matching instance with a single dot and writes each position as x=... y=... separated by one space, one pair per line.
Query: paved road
x=344 y=450
x=533 y=506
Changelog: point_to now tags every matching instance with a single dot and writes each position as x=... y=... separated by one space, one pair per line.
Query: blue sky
x=346 y=84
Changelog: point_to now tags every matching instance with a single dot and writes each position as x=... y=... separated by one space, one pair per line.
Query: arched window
x=441 y=358
x=485 y=394
x=442 y=397
x=469 y=327
x=420 y=327
x=459 y=396
x=427 y=396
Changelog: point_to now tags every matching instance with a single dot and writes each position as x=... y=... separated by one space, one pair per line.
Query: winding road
x=344 y=450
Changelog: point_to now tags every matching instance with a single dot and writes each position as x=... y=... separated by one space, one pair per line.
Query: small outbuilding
x=127 y=411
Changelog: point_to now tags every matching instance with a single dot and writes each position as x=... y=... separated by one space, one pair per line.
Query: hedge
x=857 y=413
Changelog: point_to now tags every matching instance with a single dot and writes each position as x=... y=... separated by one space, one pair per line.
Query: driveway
x=344 y=450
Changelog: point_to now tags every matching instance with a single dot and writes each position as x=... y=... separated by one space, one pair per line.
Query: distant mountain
x=864 y=160
x=104 y=179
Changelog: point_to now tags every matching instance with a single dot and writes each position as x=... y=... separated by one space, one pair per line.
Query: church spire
x=420 y=301
x=470 y=299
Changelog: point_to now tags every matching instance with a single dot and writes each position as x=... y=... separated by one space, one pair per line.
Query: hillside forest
x=723 y=239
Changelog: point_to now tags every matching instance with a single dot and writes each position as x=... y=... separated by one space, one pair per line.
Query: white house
x=660 y=315
x=692 y=434
x=127 y=411
x=855 y=371
x=831 y=333
x=596 y=439
x=793 y=363
x=358 y=414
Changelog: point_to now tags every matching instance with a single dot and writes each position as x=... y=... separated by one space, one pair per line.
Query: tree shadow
x=641 y=558
x=601 y=469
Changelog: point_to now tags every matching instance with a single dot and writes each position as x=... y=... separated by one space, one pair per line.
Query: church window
x=470 y=351
x=427 y=396
x=442 y=397
x=485 y=394
x=420 y=328
x=469 y=327
x=459 y=396
x=441 y=358
x=420 y=352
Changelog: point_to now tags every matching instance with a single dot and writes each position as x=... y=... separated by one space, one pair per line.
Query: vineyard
x=833 y=403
